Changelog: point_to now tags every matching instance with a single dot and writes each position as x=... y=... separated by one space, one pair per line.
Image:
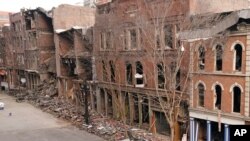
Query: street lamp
x=85 y=89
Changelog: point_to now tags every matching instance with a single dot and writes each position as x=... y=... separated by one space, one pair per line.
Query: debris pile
x=45 y=97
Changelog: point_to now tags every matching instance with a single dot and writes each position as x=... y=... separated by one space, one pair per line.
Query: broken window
x=139 y=75
x=112 y=71
x=219 y=55
x=218 y=97
x=201 y=93
x=161 y=76
x=133 y=39
x=238 y=57
x=168 y=36
x=129 y=74
x=104 y=72
x=201 y=61
x=236 y=99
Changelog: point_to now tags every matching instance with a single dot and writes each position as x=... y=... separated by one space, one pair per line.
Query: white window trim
x=232 y=96
x=234 y=53
x=213 y=89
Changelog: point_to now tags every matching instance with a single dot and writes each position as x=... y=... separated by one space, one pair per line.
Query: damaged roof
x=228 y=20
x=84 y=29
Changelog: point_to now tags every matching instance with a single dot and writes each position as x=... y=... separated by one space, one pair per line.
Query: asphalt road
x=28 y=123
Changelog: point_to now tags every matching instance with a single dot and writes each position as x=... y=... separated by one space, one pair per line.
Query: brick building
x=135 y=52
x=30 y=43
x=220 y=75
x=134 y=48
x=73 y=40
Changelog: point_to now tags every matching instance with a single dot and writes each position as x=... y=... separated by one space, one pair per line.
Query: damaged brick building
x=135 y=52
x=133 y=49
x=73 y=40
x=31 y=46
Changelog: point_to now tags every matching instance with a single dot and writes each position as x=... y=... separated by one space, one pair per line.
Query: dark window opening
x=178 y=81
x=112 y=70
x=161 y=76
x=218 y=96
x=110 y=104
x=238 y=57
x=139 y=74
x=104 y=72
x=127 y=107
x=237 y=99
x=201 y=58
x=161 y=123
x=145 y=111
x=201 y=92
x=102 y=98
x=219 y=55
x=129 y=74
x=168 y=36
x=133 y=39
x=136 y=109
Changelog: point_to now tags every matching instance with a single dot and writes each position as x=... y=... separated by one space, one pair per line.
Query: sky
x=16 y=5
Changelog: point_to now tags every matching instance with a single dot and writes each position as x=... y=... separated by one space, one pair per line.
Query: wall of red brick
x=227 y=77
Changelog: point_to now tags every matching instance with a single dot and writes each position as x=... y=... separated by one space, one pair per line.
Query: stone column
x=192 y=132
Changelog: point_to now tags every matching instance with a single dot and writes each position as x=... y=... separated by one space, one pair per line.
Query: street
x=23 y=122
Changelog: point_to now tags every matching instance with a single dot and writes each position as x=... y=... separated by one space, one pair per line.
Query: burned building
x=134 y=53
x=73 y=39
x=140 y=65
x=31 y=35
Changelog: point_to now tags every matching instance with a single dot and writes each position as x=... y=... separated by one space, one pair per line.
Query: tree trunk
x=172 y=133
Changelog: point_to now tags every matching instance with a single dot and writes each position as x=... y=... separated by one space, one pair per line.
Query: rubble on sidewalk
x=45 y=97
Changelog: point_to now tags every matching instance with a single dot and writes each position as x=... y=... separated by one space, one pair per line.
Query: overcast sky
x=16 y=5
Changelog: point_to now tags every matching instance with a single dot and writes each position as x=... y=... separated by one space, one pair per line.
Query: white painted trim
x=217 y=83
x=197 y=83
x=233 y=119
x=237 y=42
x=236 y=85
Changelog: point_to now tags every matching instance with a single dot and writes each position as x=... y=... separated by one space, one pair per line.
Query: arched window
x=129 y=73
x=139 y=74
x=238 y=57
x=201 y=93
x=201 y=61
x=218 y=91
x=218 y=58
x=161 y=76
x=236 y=99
